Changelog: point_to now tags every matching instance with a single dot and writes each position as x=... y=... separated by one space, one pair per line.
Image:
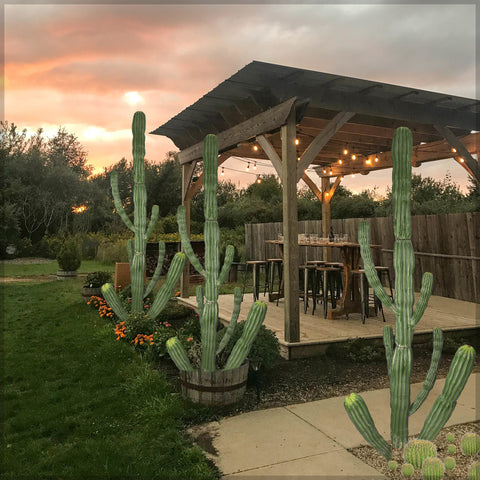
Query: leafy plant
x=69 y=257
x=97 y=279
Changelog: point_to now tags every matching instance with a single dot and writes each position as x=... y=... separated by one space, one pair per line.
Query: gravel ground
x=371 y=457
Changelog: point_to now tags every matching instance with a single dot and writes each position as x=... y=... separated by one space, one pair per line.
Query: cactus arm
x=118 y=202
x=358 y=412
x=432 y=371
x=255 y=318
x=388 y=344
x=229 y=252
x=200 y=299
x=130 y=252
x=442 y=409
x=237 y=295
x=114 y=301
x=166 y=290
x=425 y=292
x=153 y=221
x=178 y=354
x=158 y=269
x=186 y=245
x=370 y=272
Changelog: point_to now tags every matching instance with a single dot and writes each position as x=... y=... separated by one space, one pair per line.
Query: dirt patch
x=26 y=261
x=33 y=278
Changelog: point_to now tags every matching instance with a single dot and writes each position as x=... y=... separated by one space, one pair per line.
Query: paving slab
x=329 y=415
x=262 y=438
x=338 y=465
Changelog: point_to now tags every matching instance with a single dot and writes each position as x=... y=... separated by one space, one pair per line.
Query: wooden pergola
x=337 y=125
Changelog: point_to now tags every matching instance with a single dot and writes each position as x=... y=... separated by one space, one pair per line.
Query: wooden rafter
x=321 y=140
x=271 y=154
x=470 y=164
x=271 y=119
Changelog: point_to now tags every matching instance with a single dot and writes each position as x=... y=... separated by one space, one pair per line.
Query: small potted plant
x=69 y=259
x=93 y=285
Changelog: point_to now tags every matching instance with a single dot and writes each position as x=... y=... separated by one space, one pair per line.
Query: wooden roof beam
x=457 y=144
x=321 y=140
x=264 y=122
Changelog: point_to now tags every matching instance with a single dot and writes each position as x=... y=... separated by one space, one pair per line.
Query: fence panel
x=448 y=246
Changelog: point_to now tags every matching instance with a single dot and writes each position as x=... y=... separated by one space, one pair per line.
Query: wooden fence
x=446 y=245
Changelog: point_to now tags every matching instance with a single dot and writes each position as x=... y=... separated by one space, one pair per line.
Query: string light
x=461 y=160
x=298 y=159
x=353 y=175
x=248 y=167
x=255 y=166
x=223 y=171
x=324 y=171
x=342 y=177
x=345 y=151
x=297 y=141
x=376 y=159
x=330 y=172
x=259 y=180
x=340 y=161
x=354 y=157
x=255 y=148
x=454 y=150
x=368 y=161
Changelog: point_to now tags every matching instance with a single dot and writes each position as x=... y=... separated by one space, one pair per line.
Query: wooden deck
x=316 y=333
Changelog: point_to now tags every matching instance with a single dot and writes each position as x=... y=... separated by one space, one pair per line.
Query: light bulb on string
x=340 y=161
x=354 y=157
x=376 y=159
x=255 y=148
x=297 y=141
x=345 y=151
x=259 y=180
x=223 y=171
x=248 y=167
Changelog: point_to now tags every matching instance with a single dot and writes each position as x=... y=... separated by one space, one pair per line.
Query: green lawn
x=50 y=268
x=77 y=403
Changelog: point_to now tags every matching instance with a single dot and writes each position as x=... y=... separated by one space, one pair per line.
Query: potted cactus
x=207 y=384
x=69 y=259
x=137 y=249
x=398 y=352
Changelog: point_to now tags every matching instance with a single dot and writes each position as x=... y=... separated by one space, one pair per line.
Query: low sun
x=133 y=98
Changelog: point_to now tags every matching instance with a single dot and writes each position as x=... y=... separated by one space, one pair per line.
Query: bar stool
x=338 y=276
x=274 y=265
x=308 y=286
x=326 y=280
x=383 y=271
x=365 y=297
x=257 y=266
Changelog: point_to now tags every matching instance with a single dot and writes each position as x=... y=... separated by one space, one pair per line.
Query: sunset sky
x=90 y=67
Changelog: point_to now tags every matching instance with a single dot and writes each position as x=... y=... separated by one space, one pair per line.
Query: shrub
x=97 y=279
x=265 y=346
x=357 y=350
x=68 y=257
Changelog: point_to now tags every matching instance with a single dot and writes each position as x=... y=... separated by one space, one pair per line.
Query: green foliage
x=69 y=257
x=450 y=437
x=357 y=350
x=392 y=465
x=452 y=448
x=97 y=279
x=265 y=346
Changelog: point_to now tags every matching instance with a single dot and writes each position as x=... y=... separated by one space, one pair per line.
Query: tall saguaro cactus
x=399 y=356
x=214 y=277
x=137 y=249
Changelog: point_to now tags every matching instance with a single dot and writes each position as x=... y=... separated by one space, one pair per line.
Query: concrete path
x=310 y=440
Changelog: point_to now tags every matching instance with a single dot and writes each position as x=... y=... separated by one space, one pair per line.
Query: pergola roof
x=378 y=109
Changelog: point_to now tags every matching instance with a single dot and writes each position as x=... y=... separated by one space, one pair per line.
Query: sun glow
x=133 y=98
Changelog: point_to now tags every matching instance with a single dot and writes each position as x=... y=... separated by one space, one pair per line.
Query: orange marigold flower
x=189 y=339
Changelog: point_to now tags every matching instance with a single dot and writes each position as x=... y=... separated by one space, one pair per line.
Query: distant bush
x=69 y=257
x=357 y=350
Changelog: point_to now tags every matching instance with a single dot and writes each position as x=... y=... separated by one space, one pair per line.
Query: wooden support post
x=326 y=215
x=187 y=171
x=290 y=230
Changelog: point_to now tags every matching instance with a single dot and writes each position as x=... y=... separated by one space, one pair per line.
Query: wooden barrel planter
x=88 y=292
x=221 y=387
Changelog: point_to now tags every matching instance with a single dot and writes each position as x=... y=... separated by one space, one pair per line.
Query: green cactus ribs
x=416 y=451
x=215 y=275
x=137 y=249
